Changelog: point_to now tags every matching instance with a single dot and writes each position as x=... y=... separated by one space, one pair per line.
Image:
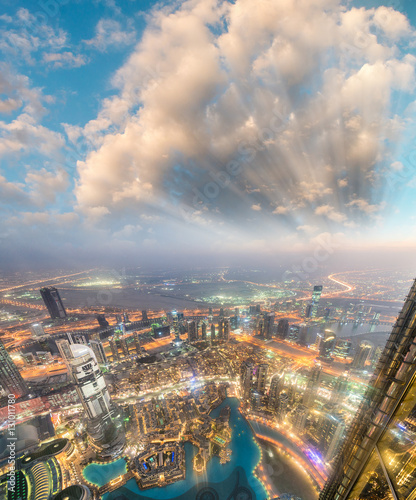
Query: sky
x=206 y=131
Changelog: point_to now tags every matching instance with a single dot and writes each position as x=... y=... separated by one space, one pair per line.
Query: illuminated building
x=192 y=331
x=362 y=355
x=268 y=322
x=327 y=344
x=312 y=386
x=36 y=329
x=105 y=433
x=224 y=329
x=303 y=334
x=340 y=390
x=282 y=406
x=53 y=302
x=299 y=418
x=212 y=331
x=114 y=349
x=342 y=348
x=331 y=431
x=283 y=328
x=253 y=378
x=98 y=350
x=204 y=331
x=261 y=378
x=276 y=386
x=293 y=334
x=10 y=379
x=248 y=371
x=40 y=475
x=316 y=296
x=378 y=457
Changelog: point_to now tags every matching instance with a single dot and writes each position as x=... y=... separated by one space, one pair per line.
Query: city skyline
x=151 y=133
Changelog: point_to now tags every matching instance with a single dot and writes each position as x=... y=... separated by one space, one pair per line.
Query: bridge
x=115 y=483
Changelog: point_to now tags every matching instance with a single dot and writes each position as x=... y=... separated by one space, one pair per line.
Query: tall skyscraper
x=316 y=297
x=327 y=344
x=53 y=302
x=137 y=343
x=204 y=331
x=378 y=456
x=10 y=378
x=283 y=328
x=261 y=378
x=224 y=329
x=104 y=428
x=98 y=350
x=144 y=315
x=362 y=355
x=312 y=386
x=212 y=331
x=276 y=386
x=268 y=323
x=192 y=331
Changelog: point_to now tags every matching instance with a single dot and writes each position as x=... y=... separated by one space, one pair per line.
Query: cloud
x=331 y=213
x=364 y=206
x=281 y=210
x=65 y=59
x=109 y=33
x=45 y=185
x=28 y=35
x=214 y=86
x=23 y=135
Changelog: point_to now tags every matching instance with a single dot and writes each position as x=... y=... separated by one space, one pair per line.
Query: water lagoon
x=101 y=474
x=228 y=481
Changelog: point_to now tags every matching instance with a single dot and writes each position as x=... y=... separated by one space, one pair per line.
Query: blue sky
x=143 y=131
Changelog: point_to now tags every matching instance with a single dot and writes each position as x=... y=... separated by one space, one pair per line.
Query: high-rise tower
x=53 y=302
x=10 y=378
x=104 y=428
x=378 y=457
x=362 y=355
x=316 y=296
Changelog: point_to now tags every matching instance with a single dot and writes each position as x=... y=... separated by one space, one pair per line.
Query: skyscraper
x=327 y=344
x=268 y=322
x=276 y=386
x=98 y=349
x=10 y=378
x=283 y=328
x=316 y=296
x=261 y=378
x=106 y=435
x=36 y=329
x=378 y=457
x=53 y=302
x=212 y=331
x=362 y=355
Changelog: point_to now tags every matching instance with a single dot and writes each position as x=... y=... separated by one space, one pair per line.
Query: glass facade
x=378 y=457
